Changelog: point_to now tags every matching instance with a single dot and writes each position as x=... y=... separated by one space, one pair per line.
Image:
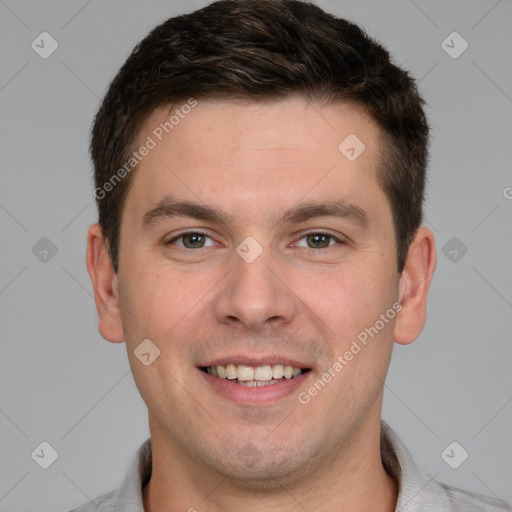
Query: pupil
x=193 y=239
x=317 y=238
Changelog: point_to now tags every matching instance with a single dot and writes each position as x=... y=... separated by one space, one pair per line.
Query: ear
x=104 y=282
x=414 y=285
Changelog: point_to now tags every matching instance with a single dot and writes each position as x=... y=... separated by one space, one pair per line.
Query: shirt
x=418 y=491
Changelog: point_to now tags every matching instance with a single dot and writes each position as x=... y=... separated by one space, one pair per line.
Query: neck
x=353 y=479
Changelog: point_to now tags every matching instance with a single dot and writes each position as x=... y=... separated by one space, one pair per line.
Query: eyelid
x=177 y=236
x=321 y=231
x=336 y=236
x=299 y=236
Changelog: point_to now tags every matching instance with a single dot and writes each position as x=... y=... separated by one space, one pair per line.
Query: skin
x=254 y=161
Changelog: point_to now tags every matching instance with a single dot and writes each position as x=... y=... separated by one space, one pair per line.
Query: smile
x=251 y=376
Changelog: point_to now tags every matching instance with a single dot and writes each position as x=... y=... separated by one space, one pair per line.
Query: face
x=251 y=243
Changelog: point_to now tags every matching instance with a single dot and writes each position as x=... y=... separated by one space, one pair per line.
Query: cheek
x=347 y=298
x=156 y=305
x=157 y=298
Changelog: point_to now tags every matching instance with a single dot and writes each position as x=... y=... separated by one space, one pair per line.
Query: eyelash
x=309 y=233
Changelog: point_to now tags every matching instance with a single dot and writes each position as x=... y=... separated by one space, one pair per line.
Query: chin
x=259 y=465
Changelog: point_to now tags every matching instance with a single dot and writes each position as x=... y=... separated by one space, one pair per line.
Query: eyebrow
x=169 y=208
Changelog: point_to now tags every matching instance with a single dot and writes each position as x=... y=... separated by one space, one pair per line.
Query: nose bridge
x=253 y=294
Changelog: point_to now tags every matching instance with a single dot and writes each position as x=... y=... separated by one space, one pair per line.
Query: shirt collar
x=130 y=494
x=417 y=491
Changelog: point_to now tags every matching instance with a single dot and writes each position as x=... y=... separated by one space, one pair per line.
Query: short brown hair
x=263 y=50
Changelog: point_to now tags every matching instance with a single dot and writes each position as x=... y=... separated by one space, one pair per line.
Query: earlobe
x=105 y=284
x=414 y=285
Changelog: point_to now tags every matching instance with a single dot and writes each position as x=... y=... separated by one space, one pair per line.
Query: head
x=263 y=51
x=242 y=109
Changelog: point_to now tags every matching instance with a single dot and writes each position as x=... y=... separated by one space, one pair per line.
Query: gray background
x=61 y=383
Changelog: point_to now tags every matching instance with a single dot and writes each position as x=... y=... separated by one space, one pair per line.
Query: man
x=260 y=172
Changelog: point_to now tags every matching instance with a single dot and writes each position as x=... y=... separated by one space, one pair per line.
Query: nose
x=255 y=294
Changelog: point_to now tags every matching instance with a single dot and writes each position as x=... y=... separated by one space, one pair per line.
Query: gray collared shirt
x=418 y=492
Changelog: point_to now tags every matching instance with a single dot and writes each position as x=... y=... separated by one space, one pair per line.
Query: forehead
x=288 y=124
x=257 y=152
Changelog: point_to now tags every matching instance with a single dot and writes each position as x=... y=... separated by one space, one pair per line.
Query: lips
x=254 y=380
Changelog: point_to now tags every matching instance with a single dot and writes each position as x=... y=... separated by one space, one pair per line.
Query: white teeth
x=288 y=372
x=254 y=376
x=245 y=372
x=231 y=372
x=254 y=383
x=248 y=383
x=278 y=371
x=263 y=373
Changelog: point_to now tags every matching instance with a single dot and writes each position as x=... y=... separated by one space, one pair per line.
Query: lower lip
x=255 y=395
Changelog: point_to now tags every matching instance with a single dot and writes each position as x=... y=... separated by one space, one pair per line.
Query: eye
x=198 y=240
x=319 y=240
x=191 y=240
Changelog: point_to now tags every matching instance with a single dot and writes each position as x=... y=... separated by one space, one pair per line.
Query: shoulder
x=421 y=491
x=104 y=503
x=467 y=501
x=128 y=498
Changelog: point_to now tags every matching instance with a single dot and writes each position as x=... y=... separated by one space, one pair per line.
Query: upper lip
x=256 y=361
